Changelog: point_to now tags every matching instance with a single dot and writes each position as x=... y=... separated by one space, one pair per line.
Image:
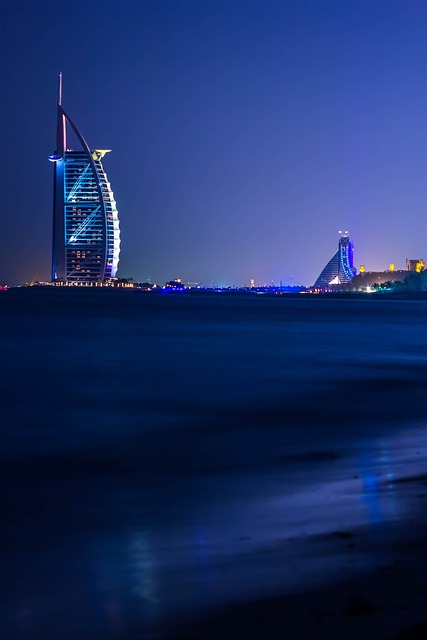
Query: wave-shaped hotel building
x=339 y=269
x=86 y=232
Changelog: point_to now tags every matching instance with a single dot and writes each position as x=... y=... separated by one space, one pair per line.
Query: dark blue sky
x=245 y=133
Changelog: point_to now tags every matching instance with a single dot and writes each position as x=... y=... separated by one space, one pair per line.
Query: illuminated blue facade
x=339 y=269
x=86 y=233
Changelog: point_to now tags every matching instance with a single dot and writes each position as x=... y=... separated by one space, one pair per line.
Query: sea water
x=163 y=454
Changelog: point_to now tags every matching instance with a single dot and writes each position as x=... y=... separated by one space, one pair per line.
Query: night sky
x=245 y=133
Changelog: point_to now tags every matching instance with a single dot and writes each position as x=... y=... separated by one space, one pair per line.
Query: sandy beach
x=387 y=603
x=379 y=584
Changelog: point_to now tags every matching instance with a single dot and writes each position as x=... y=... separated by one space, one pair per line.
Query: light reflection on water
x=141 y=573
x=240 y=549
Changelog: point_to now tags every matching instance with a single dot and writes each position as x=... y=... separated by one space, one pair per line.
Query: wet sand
x=387 y=603
x=350 y=610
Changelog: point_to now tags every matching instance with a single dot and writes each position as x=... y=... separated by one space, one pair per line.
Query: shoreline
x=227 y=292
x=388 y=602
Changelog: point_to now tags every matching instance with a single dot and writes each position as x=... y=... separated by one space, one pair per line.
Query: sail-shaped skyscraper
x=86 y=233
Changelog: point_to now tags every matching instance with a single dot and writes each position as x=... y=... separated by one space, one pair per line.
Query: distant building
x=175 y=285
x=414 y=265
x=339 y=269
x=86 y=234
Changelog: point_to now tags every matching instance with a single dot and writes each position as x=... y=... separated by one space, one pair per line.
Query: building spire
x=60 y=89
x=61 y=134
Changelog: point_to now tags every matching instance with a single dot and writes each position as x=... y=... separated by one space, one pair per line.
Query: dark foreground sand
x=388 y=602
x=383 y=605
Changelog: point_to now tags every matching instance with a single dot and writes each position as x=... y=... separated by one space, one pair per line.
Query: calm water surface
x=164 y=454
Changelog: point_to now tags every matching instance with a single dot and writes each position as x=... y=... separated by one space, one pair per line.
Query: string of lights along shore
x=86 y=231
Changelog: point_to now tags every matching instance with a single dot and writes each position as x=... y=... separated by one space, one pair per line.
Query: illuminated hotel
x=86 y=233
x=339 y=269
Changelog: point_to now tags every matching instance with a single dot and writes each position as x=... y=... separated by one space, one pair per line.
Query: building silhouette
x=86 y=233
x=339 y=269
x=415 y=265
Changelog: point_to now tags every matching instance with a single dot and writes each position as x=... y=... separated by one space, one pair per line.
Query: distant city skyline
x=246 y=134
